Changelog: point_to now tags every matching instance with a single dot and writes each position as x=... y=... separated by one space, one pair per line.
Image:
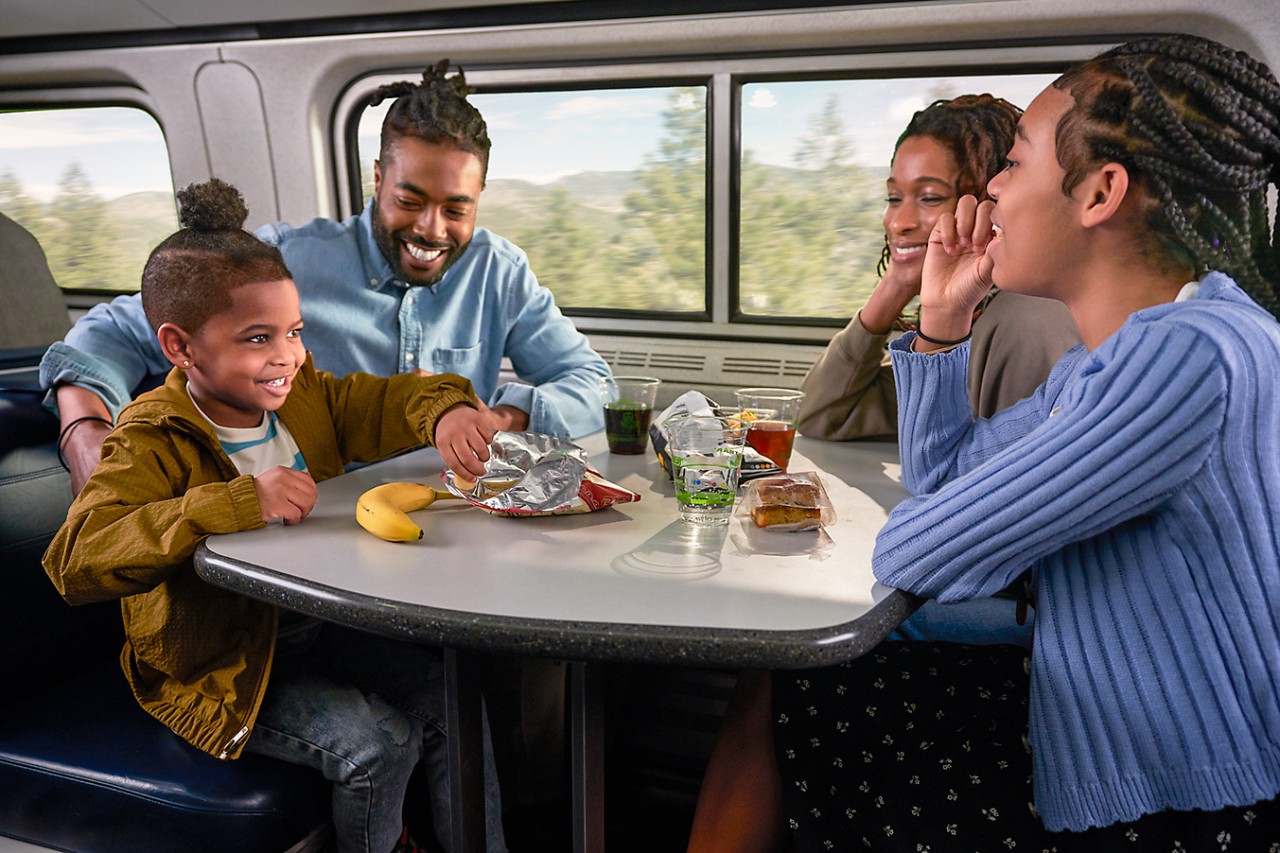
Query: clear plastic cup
x=772 y=414
x=628 y=408
x=706 y=459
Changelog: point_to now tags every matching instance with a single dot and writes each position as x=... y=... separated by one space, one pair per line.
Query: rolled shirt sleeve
x=110 y=351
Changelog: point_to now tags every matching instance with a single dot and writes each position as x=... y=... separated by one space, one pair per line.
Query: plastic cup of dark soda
x=628 y=408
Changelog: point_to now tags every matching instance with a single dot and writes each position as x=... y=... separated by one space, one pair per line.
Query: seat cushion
x=84 y=768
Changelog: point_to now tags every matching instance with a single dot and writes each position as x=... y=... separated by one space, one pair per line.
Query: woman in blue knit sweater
x=1142 y=483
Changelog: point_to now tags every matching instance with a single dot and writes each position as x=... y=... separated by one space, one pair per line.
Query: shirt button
x=373 y=281
x=409 y=357
x=1026 y=744
x=1032 y=806
x=1026 y=665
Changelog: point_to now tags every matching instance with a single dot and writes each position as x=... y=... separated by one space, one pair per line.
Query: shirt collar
x=1188 y=292
x=377 y=272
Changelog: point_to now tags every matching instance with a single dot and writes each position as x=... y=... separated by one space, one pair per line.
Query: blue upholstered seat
x=82 y=766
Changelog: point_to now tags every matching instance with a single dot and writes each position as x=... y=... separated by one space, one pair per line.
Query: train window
x=93 y=185
x=814 y=158
x=605 y=189
x=741 y=198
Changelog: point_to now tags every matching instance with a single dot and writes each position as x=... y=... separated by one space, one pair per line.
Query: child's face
x=243 y=359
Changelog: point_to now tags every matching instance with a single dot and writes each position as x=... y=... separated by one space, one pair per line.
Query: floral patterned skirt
x=920 y=747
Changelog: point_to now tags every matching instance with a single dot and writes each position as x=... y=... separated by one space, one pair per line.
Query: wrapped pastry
x=795 y=501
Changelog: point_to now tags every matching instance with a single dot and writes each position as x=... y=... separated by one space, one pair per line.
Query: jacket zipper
x=231 y=744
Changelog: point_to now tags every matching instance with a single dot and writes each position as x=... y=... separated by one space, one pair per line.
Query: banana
x=383 y=510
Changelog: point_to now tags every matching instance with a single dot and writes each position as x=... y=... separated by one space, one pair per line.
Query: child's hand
x=286 y=494
x=462 y=437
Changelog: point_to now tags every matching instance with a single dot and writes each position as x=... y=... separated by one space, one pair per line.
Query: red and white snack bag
x=794 y=501
x=531 y=474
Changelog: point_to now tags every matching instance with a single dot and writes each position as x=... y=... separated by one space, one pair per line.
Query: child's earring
x=186 y=364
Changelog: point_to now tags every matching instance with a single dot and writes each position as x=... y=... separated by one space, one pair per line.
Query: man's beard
x=388 y=243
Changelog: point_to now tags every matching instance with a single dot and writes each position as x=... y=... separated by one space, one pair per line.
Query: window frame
x=724 y=78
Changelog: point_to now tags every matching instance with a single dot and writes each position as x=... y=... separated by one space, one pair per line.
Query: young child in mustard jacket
x=236 y=438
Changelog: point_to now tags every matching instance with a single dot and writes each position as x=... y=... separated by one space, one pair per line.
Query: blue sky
x=536 y=136
x=545 y=135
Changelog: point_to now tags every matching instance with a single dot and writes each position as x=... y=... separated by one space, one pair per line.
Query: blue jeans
x=364 y=710
x=981 y=621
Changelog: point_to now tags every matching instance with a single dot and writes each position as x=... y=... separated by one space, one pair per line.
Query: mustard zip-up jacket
x=196 y=656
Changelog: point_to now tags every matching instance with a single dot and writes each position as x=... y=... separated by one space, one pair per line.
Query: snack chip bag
x=531 y=474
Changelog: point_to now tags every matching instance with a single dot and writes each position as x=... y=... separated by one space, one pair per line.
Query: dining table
x=628 y=583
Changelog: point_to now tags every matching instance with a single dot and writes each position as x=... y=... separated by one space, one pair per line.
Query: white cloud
x=903 y=109
x=53 y=129
x=594 y=106
x=763 y=99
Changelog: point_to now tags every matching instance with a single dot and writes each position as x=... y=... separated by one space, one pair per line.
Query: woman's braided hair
x=1197 y=125
x=435 y=110
x=189 y=277
x=978 y=130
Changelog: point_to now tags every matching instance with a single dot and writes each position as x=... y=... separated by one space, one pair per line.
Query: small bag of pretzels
x=794 y=501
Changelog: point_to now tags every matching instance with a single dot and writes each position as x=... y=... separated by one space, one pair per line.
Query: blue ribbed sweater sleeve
x=1089 y=450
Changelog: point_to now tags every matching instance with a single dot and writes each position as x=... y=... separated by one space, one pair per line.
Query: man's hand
x=462 y=437
x=285 y=493
x=82 y=446
x=506 y=417
x=499 y=417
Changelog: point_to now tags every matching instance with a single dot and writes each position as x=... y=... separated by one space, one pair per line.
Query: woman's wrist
x=885 y=306
x=944 y=325
x=940 y=329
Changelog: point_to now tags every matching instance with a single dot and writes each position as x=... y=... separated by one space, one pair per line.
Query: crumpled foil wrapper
x=528 y=472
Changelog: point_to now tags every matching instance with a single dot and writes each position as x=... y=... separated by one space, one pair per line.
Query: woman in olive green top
x=950 y=149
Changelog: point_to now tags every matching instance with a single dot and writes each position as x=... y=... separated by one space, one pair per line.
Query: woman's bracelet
x=940 y=343
x=66 y=430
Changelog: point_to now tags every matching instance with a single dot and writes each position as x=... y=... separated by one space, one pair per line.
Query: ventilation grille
x=710 y=365
x=636 y=359
x=789 y=367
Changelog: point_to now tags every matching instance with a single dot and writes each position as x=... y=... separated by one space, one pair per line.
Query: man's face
x=425 y=197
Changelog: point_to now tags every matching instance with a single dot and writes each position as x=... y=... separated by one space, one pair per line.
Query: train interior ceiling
x=700 y=184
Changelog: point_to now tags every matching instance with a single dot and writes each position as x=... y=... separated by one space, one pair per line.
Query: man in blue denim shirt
x=409 y=284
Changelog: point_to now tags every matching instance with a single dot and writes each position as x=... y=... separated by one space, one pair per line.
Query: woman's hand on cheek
x=957 y=271
x=903 y=278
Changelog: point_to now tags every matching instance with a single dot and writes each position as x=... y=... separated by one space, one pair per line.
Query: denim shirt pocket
x=461 y=360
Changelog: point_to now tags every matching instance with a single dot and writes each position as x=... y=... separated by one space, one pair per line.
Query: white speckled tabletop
x=631 y=582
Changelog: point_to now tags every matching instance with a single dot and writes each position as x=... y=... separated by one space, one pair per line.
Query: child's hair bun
x=214 y=205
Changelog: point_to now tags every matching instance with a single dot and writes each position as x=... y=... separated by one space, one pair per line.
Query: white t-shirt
x=259 y=448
